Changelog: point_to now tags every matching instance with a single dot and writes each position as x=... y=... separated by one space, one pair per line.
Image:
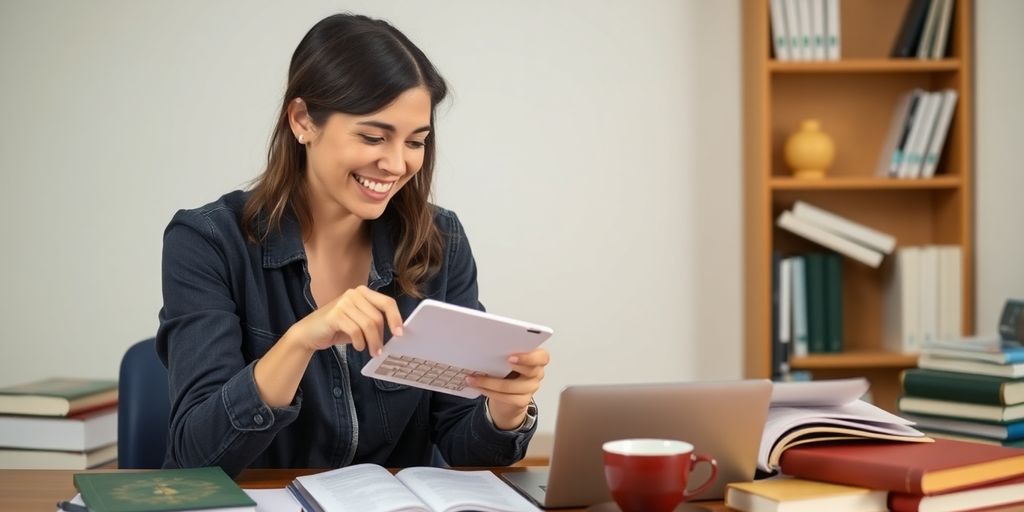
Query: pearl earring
x=300 y=139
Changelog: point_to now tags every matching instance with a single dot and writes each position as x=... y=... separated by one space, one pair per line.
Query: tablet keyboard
x=425 y=372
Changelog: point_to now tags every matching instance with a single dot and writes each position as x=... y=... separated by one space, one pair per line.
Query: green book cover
x=833 y=303
x=963 y=387
x=67 y=388
x=161 y=491
x=816 y=303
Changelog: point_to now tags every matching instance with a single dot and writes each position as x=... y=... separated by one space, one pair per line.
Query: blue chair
x=143 y=408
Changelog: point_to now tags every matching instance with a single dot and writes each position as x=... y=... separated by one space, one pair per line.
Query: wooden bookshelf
x=853 y=98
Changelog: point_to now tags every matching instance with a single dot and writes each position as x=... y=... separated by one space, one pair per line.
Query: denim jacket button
x=258 y=418
x=338 y=392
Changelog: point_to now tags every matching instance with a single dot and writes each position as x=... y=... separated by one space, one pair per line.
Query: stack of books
x=925 y=31
x=970 y=389
x=58 y=423
x=851 y=457
x=917 y=134
x=805 y=29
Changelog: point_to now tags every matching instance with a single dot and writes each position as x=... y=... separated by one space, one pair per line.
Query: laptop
x=721 y=419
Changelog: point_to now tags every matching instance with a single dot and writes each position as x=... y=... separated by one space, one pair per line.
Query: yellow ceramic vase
x=809 y=152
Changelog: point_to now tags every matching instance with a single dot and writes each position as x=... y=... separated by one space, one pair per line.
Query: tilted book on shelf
x=846 y=228
x=826 y=238
x=820 y=411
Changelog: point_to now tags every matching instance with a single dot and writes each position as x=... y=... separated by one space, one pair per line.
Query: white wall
x=591 y=148
x=1000 y=186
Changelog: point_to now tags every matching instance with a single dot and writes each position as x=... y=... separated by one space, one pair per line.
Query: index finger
x=386 y=305
x=538 y=357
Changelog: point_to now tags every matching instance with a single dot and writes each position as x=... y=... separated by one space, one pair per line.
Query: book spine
x=833 y=303
x=780 y=39
x=957 y=387
x=924 y=45
x=832 y=33
x=816 y=303
x=820 y=466
x=800 y=340
x=910 y=30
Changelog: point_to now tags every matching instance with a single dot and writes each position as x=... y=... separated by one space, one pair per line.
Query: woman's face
x=357 y=163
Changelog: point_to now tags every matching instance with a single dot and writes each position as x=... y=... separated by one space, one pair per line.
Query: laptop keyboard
x=425 y=372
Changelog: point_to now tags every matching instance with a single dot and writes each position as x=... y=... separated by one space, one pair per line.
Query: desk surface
x=42 y=489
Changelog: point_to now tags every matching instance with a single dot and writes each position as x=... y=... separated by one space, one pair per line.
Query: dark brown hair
x=355 y=65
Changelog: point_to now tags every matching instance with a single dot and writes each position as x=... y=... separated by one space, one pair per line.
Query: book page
x=448 y=490
x=360 y=488
x=819 y=392
x=857 y=415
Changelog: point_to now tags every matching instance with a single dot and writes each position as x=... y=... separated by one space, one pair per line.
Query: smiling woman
x=275 y=297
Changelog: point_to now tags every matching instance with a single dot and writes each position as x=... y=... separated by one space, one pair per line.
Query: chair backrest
x=143 y=408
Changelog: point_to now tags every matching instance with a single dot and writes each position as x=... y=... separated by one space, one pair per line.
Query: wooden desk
x=32 y=490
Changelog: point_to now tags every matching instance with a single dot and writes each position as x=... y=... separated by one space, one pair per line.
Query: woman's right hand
x=358 y=317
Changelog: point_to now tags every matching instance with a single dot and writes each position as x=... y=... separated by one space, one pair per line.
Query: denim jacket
x=227 y=301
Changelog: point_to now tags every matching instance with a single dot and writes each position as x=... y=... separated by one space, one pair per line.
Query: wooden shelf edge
x=853 y=360
x=864 y=66
x=867 y=183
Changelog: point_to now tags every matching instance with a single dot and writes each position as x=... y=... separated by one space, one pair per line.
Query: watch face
x=165 y=491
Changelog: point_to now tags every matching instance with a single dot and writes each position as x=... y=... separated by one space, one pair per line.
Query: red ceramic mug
x=650 y=475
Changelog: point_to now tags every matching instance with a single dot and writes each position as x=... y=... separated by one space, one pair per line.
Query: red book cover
x=913 y=468
x=997 y=494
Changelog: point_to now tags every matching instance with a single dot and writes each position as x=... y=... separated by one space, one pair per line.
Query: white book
x=900 y=302
x=803 y=12
x=78 y=433
x=918 y=152
x=785 y=302
x=832 y=34
x=924 y=45
x=929 y=297
x=899 y=129
x=917 y=141
x=818 y=42
x=826 y=238
x=793 y=29
x=938 y=140
x=938 y=50
x=780 y=38
x=950 y=292
x=799 y=295
x=844 y=227
x=52 y=459
x=371 y=488
x=948 y=364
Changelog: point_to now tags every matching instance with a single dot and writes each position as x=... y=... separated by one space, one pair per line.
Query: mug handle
x=696 y=459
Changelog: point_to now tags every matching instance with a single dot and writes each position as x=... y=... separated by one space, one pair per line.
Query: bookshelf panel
x=855 y=110
x=869 y=27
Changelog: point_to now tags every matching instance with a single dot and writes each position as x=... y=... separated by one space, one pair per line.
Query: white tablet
x=441 y=344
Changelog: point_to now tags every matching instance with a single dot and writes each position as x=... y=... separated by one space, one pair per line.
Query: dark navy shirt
x=227 y=301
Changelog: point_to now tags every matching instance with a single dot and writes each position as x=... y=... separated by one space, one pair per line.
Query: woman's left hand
x=509 y=398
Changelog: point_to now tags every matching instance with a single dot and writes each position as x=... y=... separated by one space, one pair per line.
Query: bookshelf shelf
x=866 y=66
x=866 y=183
x=855 y=360
x=854 y=100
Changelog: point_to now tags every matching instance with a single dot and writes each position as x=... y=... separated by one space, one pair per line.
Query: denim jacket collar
x=284 y=246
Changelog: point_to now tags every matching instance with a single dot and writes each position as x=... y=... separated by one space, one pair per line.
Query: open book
x=371 y=488
x=829 y=410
